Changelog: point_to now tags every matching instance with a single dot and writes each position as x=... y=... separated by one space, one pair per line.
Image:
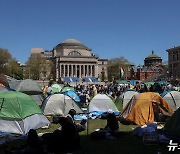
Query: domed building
x=74 y=60
x=152 y=60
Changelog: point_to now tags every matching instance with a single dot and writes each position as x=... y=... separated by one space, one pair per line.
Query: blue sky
x=111 y=28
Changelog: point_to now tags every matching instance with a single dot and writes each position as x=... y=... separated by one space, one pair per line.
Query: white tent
x=102 y=103
x=173 y=99
x=126 y=97
x=59 y=104
x=19 y=113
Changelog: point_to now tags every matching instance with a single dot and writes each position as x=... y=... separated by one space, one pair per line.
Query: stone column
x=71 y=71
x=80 y=71
x=91 y=71
x=60 y=71
x=83 y=70
x=75 y=70
x=57 y=70
x=88 y=70
x=64 y=70
x=67 y=70
x=96 y=70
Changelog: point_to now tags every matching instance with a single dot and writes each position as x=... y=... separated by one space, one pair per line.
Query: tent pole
x=87 y=120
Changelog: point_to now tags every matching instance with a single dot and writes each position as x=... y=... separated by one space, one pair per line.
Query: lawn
x=125 y=144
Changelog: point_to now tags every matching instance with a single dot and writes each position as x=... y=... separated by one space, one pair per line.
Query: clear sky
x=111 y=28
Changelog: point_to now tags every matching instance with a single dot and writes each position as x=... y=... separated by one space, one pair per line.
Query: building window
x=74 y=53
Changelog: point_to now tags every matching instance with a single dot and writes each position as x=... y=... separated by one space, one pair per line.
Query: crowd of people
x=66 y=138
x=114 y=90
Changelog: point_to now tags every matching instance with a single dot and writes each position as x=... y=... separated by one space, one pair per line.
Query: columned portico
x=73 y=70
x=73 y=59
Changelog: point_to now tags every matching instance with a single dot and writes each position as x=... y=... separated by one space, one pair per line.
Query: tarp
x=19 y=113
x=173 y=99
x=139 y=110
x=172 y=126
x=102 y=103
x=59 y=104
x=27 y=86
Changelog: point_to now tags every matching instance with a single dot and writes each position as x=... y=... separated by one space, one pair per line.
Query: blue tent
x=162 y=82
x=73 y=95
x=133 y=82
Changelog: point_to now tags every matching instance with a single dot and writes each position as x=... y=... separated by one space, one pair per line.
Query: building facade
x=152 y=60
x=174 y=62
x=151 y=70
x=74 y=59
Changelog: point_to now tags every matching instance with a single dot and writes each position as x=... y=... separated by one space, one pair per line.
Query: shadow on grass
x=125 y=144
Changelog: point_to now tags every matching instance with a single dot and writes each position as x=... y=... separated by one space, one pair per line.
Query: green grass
x=126 y=144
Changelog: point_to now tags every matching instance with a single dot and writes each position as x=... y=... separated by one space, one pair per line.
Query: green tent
x=64 y=89
x=123 y=82
x=19 y=113
x=57 y=88
x=149 y=84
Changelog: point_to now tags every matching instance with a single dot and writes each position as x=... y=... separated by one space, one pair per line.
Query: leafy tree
x=37 y=67
x=15 y=69
x=9 y=65
x=5 y=58
x=114 y=66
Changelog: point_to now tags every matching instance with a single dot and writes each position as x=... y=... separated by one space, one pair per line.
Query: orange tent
x=140 y=110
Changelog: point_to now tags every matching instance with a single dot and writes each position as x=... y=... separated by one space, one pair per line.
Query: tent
x=73 y=95
x=56 y=87
x=149 y=84
x=27 y=86
x=139 y=109
x=64 y=89
x=3 y=89
x=59 y=104
x=123 y=82
x=126 y=97
x=172 y=126
x=173 y=99
x=38 y=99
x=19 y=113
x=102 y=103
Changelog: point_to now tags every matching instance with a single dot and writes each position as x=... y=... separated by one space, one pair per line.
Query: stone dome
x=72 y=43
x=69 y=41
x=153 y=55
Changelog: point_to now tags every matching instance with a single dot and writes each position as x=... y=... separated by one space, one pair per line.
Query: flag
x=121 y=73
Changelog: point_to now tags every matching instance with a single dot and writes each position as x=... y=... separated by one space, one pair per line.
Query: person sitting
x=34 y=144
x=69 y=134
x=111 y=129
x=112 y=125
x=79 y=126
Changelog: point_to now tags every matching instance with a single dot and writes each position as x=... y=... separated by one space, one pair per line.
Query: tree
x=15 y=69
x=5 y=58
x=9 y=65
x=114 y=66
x=37 y=67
